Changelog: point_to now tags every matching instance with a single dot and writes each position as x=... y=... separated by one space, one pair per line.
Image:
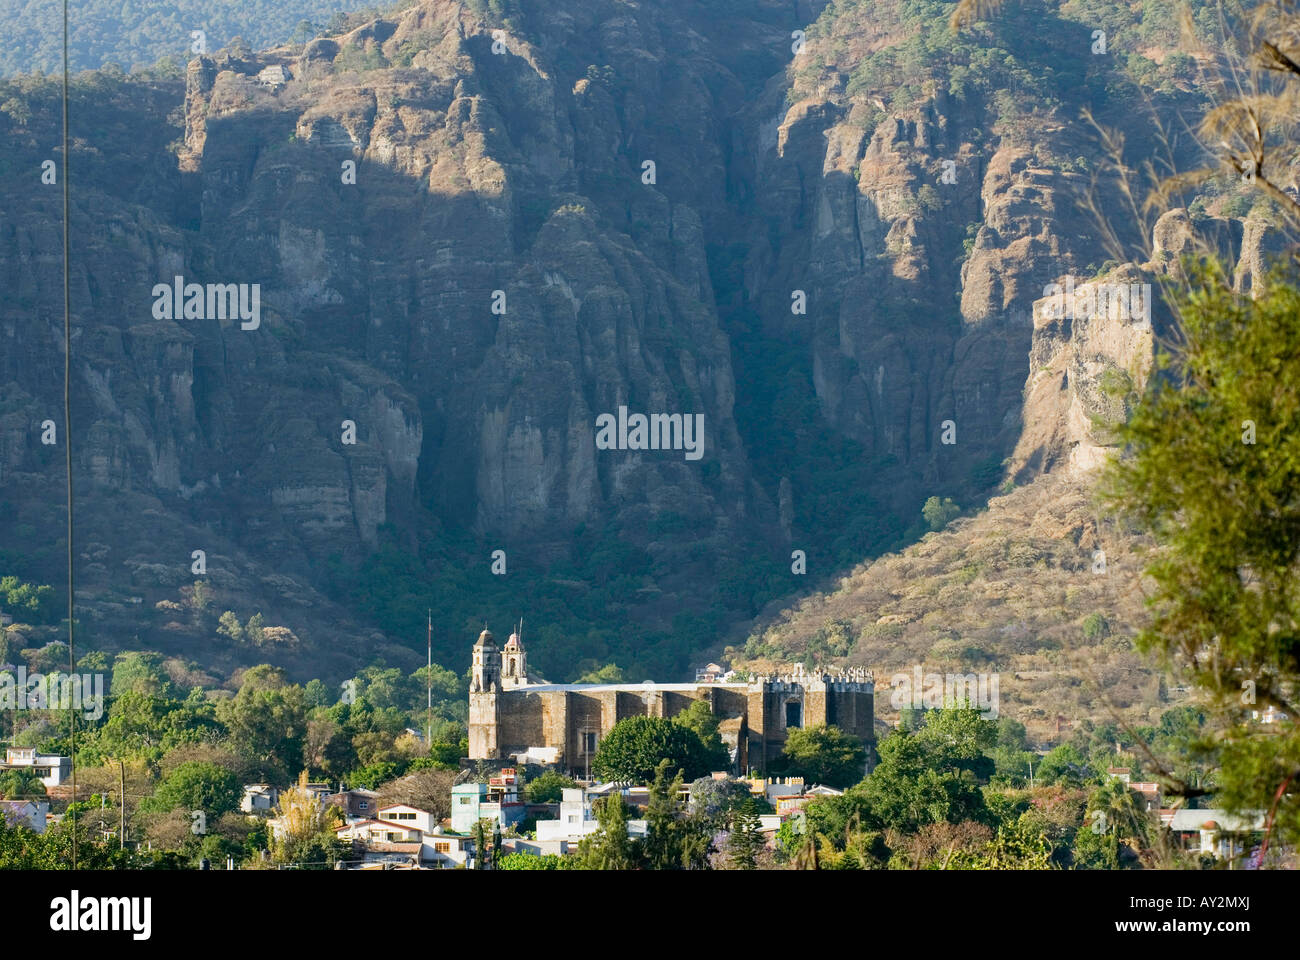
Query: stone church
x=564 y=723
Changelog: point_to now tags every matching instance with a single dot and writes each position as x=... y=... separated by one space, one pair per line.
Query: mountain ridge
x=521 y=171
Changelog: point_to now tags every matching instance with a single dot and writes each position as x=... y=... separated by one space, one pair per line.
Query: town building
x=403 y=835
x=32 y=814
x=509 y=715
x=446 y=851
x=577 y=820
x=472 y=802
x=408 y=816
x=384 y=842
x=356 y=804
x=1148 y=793
x=1215 y=833
x=50 y=769
x=259 y=798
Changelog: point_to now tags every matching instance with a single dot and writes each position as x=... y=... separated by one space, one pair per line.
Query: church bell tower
x=514 y=663
x=484 y=687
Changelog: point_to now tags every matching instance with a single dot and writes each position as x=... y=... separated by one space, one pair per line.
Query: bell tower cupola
x=514 y=662
x=486 y=674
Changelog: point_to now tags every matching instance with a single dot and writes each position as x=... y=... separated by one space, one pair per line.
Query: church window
x=793 y=714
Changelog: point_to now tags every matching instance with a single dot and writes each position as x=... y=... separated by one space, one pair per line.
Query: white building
x=543 y=756
x=379 y=831
x=1214 y=832
x=1269 y=714
x=403 y=831
x=446 y=851
x=29 y=813
x=408 y=816
x=51 y=769
x=577 y=820
x=259 y=798
x=384 y=842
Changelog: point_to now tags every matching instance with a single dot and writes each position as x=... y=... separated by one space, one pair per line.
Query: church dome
x=485 y=638
x=513 y=643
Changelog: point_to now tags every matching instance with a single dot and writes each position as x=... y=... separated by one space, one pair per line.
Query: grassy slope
x=1009 y=590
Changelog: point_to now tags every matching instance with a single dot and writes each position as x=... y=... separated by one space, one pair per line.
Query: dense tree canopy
x=825 y=754
x=635 y=746
x=933 y=775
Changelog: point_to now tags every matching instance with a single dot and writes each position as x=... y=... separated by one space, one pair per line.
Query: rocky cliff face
x=473 y=238
x=923 y=234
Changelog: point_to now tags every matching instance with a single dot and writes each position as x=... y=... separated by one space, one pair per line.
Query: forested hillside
x=139 y=33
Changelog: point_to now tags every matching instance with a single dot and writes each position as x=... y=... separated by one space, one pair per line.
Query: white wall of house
x=29 y=813
x=378 y=831
x=409 y=816
x=444 y=851
x=50 y=768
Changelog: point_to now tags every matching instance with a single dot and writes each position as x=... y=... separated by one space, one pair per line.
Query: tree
x=968 y=12
x=481 y=854
x=933 y=775
x=825 y=754
x=832 y=817
x=371 y=776
x=27 y=602
x=673 y=840
x=446 y=684
x=304 y=31
x=609 y=673
x=528 y=861
x=307 y=828
x=610 y=848
x=238 y=48
x=316 y=694
x=1213 y=474
x=635 y=746
x=228 y=625
x=18 y=784
x=199 y=596
x=745 y=839
x=255 y=630
x=140 y=725
x=428 y=790
x=1064 y=765
x=137 y=672
x=548 y=787
x=267 y=718
x=712 y=801
x=198 y=785
x=938 y=513
x=1114 y=806
x=1095 y=626
x=327 y=748
x=700 y=719
x=1011 y=734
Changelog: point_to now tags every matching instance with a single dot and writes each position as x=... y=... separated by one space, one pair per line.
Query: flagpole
x=428 y=680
